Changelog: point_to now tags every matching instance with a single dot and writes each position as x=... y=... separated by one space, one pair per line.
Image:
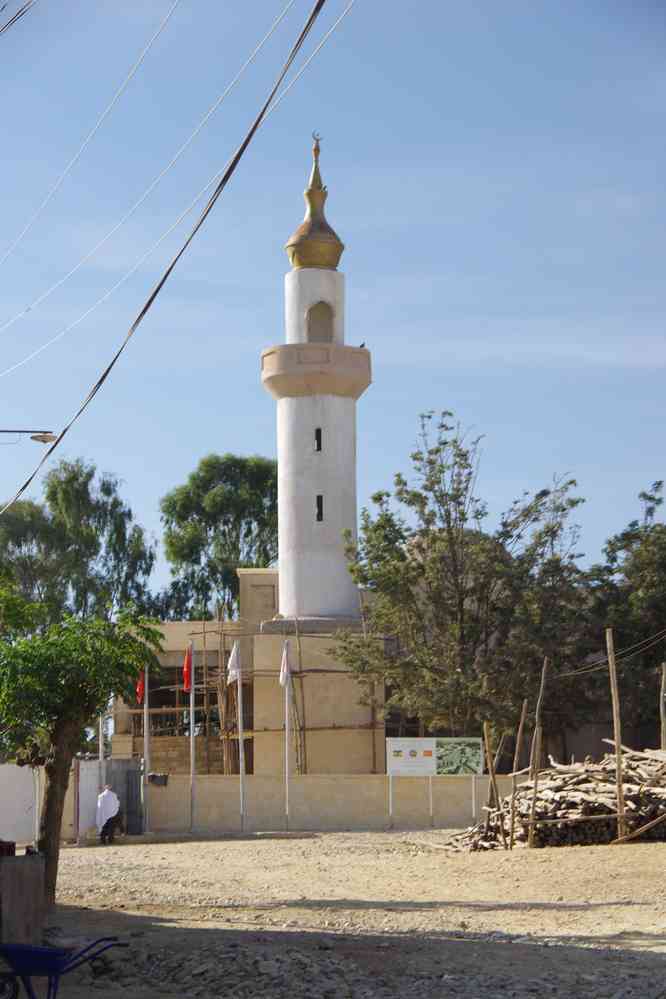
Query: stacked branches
x=576 y=804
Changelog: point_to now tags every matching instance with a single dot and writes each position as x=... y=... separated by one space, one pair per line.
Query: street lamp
x=41 y=436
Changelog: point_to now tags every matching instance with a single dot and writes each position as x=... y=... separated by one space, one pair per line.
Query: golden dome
x=314 y=244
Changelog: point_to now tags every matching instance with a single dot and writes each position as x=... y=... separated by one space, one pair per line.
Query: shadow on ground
x=277 y=962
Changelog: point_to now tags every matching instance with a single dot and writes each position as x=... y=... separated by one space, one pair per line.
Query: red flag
x=187 y=669
x=141 y=687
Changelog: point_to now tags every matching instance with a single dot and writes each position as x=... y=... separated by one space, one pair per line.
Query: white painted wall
x=17 y=803
x=303 y=289
x=314 y=578
x=89 y=788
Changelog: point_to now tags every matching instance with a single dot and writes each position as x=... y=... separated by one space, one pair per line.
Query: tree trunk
x=65 y=739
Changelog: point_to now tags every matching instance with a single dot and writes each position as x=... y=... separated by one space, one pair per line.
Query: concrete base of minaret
x=310 y=625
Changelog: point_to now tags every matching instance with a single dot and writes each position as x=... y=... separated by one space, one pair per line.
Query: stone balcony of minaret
x=303 y=369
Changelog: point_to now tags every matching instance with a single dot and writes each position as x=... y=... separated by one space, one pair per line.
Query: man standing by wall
x=108 y=817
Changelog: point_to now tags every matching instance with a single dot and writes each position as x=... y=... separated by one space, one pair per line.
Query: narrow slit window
x=320 y=507
x=318 y=439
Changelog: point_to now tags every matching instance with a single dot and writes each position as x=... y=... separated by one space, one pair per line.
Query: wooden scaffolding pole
x=300 y=716
x=371 y=688
x=205 y=699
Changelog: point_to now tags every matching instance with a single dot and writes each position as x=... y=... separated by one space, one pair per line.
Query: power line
x=305 y=31
x=623 y=655
x=18 y=15
x=190 y=207
x=151 y=187
x=98 y=124
x=602 y=661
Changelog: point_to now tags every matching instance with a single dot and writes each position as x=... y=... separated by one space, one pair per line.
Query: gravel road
x=367 y=915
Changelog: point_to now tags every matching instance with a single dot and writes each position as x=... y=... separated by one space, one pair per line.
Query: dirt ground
x=367 y=915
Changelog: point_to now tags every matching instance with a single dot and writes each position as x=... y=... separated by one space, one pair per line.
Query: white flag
x=285 y=665
x=234 y=667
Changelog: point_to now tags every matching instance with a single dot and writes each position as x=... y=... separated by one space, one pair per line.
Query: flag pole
x=102 y=761
x=192 y=742
x=146 y=747
x=241 y=748
x=287 y=698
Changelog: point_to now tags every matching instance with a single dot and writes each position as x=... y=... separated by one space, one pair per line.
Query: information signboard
x=411 y=757
x=427 y=757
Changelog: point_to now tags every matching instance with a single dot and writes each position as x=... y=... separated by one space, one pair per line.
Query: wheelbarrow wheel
x=9 y=986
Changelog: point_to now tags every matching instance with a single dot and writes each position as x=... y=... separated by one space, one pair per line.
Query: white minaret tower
x=316 y=380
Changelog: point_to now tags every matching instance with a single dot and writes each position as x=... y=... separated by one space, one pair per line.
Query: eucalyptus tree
x=80 y=550
x=224 y=517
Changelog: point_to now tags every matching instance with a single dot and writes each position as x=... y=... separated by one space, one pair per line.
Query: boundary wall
x=318 y=803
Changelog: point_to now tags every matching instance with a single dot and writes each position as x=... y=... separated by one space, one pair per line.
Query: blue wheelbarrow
x=52 y=963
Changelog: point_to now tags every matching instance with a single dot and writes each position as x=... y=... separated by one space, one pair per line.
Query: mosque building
x=316 y=379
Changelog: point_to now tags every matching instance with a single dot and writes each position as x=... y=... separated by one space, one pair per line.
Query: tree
x=80 y=551
x=628 y=592
x=223 y=518
x=17 y=615
x=52 y=685
x=459 y=618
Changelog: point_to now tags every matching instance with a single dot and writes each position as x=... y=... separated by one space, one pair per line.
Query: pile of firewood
x=577 y=804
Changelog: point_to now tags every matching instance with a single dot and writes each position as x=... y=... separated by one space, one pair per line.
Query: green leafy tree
x=458 y=618
x=628 y=593
x=18 y=616
x=223 y=518
x=80 y=551
x=52 y=685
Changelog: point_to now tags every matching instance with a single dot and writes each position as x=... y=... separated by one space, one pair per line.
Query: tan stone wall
x=170 y=754
x=339 y=802
x=339 y=737
x=169 y=807
x=317 y=803
x=345 y=751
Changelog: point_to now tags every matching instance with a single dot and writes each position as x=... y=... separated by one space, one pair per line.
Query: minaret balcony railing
x=303 y=369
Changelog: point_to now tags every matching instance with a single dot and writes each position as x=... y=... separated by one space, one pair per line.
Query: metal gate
x=125 y=778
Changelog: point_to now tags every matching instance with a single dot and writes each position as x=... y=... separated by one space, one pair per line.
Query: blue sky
x=495 y=170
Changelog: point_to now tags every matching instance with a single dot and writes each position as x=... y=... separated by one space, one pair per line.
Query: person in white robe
x=108 y=809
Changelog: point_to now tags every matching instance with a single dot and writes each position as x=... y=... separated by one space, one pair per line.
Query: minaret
x=316 y=380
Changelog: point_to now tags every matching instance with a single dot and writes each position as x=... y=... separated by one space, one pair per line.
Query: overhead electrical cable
x=18 y=15
x=623 y=655
x=96 y=127
x=145 y=309
x=151 y=187
x=193 y=203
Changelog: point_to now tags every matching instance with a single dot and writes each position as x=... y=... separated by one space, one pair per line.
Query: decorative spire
x=315 y=244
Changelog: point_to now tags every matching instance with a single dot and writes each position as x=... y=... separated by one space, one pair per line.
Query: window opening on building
x=320 y=507
x=319 y=323
x=318 y=439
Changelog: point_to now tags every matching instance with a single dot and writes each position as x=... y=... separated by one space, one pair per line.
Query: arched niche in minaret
x=319 y=323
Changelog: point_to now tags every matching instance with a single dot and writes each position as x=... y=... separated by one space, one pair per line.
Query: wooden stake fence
x=535 y=762
x=516 y=763
x=535 y=759
x=493 y=780
x=662 y=705
x=617 y=732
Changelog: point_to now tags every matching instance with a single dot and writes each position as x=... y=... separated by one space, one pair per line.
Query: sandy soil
x=368 y=914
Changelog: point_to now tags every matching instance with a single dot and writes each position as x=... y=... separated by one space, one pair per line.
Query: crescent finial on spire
x=315 y=183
